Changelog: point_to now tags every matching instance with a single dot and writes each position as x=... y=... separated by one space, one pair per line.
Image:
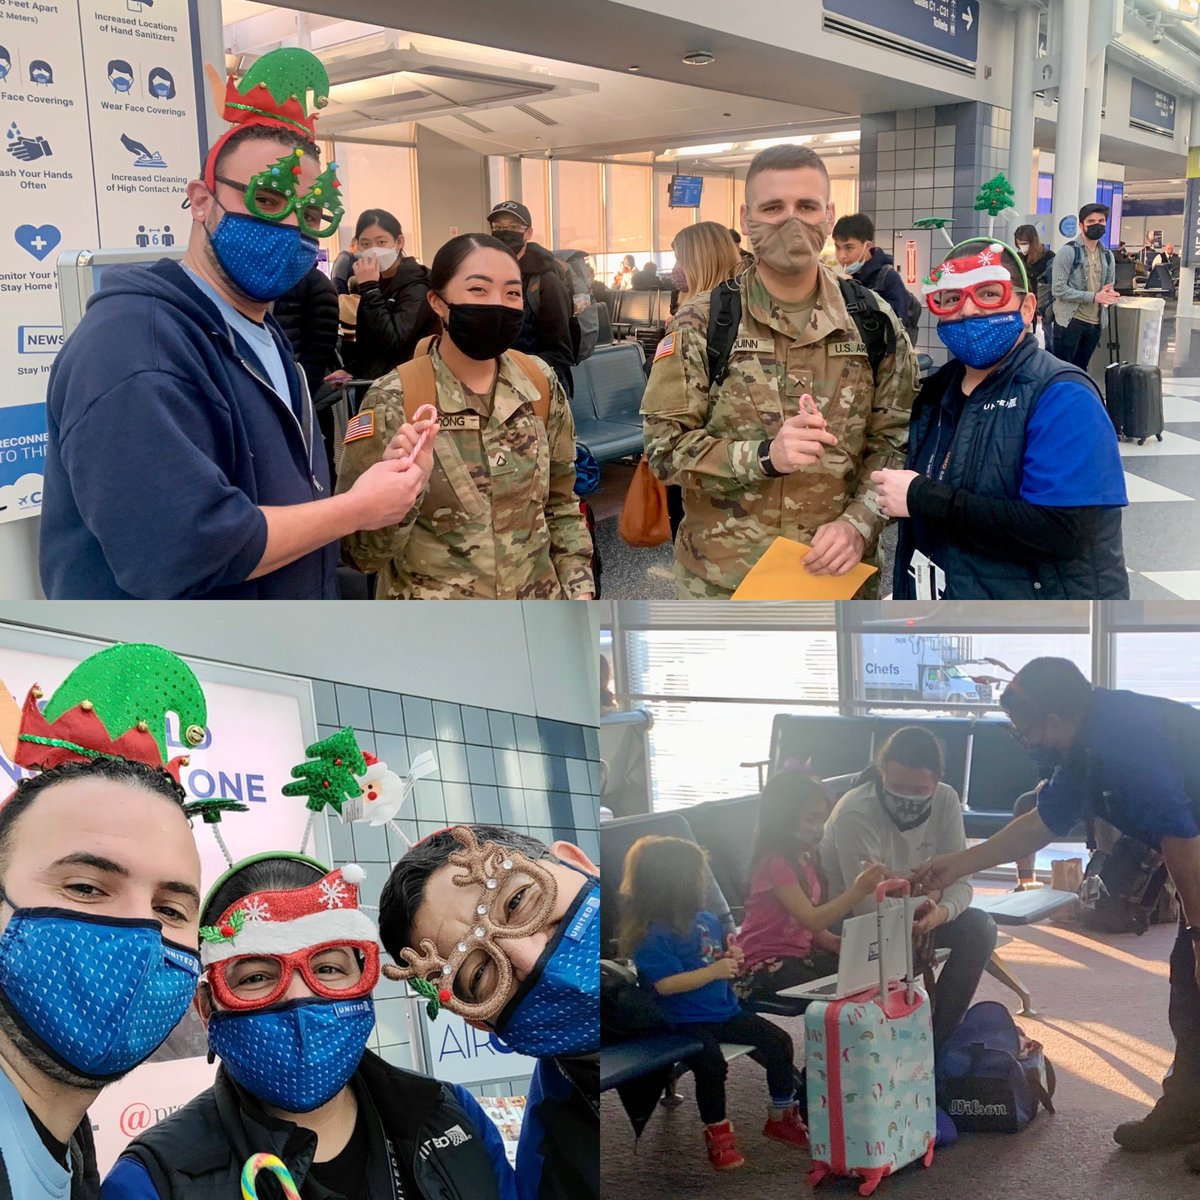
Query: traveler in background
x=646 y=279
x=393 y=310
x=1013 y=488
x=308 y=316
x=901 y=815
x=745 y=254
x=785 y=444
x=548 y=300
x=1039 y=264
x=341 y=270
x=857 y=254
x=705 y=256
x=1168 y=258
x=788 y=933
x=499 y=519
x=623 y=280
x=1121 y=253
x=1082 y=286
x=686 y=964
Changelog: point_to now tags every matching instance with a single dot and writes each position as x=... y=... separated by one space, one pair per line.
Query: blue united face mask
x=982 y=341
x=99 y=995
x=262 y=259
x=296 y=1056
x=556 y=1010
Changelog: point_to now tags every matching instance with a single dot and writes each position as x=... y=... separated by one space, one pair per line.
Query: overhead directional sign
x=1150 y=107
x=948 y=26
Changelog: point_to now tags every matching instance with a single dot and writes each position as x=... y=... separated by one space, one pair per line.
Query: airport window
x=380 y=177
x=716 y=200
x=627 y=204
x=535 y=195
x=578 y=213
x=1159 y=664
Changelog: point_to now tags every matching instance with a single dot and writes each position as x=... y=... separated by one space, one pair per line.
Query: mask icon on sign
x=162 y=84
x=41 y=72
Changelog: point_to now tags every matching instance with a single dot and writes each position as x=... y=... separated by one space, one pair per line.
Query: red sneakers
x=721 y=1146
x=789 y=1128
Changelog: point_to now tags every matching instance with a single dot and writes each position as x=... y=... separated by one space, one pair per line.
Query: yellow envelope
x=779 y=575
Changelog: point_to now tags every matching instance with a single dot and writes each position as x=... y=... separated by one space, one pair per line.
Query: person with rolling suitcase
x=870 y=1072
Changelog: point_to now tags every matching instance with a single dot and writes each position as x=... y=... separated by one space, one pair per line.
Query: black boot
x=1160 y=1129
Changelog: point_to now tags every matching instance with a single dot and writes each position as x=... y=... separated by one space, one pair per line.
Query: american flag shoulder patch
x=665 y=347
x=362 y=426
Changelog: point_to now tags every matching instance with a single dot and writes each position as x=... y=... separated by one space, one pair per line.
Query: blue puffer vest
x=988 y=460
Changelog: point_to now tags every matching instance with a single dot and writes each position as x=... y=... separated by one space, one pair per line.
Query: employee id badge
x=929 y=580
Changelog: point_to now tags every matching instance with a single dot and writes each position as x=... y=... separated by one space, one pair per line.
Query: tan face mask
x=791 y=248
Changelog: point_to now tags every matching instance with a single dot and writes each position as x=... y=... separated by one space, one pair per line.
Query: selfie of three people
x=113 y=930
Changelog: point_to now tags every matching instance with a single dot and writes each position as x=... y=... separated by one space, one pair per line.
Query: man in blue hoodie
x=184 y=459
x=857 y=254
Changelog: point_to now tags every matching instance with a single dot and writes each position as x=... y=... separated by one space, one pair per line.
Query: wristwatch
x=764 y=461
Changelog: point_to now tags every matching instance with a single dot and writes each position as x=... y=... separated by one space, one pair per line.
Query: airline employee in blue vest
x=507 y=931
x=1013 y=487
x=1133 y=761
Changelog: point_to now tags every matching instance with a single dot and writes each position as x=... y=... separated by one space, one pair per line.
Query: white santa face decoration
x=383 y=791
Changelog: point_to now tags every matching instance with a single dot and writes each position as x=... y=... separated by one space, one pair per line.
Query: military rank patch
x=665 y=348
x=362 y=426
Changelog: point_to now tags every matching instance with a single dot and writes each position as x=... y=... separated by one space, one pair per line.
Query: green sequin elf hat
x=112 y=705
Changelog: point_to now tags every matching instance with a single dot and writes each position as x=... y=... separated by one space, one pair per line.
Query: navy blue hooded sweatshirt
x=165 y=438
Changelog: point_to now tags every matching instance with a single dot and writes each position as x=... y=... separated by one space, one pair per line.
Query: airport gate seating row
x=608 y=400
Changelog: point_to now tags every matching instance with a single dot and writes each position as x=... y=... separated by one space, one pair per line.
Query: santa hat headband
x=284 y=922
x=984 y=266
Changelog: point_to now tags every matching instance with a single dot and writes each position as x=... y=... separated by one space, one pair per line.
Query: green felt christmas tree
x=995 y=197
x=939 y=223
x=328 y=779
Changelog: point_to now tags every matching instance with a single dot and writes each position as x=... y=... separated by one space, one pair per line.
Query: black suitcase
x=1114 y=395
x=1142 y=390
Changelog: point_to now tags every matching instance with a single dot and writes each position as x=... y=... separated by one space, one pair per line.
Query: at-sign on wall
x=504 y=694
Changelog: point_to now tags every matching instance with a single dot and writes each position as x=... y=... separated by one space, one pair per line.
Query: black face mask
x=1095 y=232
x=513 y=239
x=483 y=331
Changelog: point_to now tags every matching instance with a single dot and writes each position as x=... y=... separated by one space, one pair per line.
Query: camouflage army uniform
x=709 y=443
x=499 y=519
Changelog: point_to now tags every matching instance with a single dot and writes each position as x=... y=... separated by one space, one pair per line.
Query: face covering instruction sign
x=99 y=104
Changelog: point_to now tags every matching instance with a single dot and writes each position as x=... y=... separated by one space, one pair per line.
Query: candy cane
x=425 y=411
x=267 y=1162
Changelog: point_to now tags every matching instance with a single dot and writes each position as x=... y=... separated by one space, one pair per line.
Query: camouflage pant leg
x=692 y=587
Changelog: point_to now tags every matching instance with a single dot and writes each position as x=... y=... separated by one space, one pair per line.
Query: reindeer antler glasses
x=516 y=899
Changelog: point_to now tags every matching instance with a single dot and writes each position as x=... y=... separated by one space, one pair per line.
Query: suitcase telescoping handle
x=901 y=886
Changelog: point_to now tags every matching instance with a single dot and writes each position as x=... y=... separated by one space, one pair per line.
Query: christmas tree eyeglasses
x=272 y=195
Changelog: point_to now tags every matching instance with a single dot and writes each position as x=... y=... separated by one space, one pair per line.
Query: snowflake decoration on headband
x=985 y=265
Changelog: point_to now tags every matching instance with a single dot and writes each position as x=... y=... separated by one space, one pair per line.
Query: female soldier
x=499 y=518
x=286 y=998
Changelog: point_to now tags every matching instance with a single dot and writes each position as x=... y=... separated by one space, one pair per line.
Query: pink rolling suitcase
x=869 y=1063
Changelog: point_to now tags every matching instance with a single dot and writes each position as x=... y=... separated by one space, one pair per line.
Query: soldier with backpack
x=498 y=519
x=774 y=397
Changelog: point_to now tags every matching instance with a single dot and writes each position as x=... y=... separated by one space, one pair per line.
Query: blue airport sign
x=1151 y=107
x=947 y=26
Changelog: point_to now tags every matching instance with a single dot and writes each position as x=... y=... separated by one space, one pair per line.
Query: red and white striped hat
x=285 y=922
x=984 y=267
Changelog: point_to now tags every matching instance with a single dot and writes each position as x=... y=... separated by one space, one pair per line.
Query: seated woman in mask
x=499 y=518
x=286 y=998
x=1014 y=487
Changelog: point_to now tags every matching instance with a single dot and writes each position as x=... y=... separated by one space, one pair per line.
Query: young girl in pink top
x=785 y=934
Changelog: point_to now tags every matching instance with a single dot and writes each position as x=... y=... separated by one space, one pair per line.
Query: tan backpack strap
x=425 y=345
x=418 y=379
x=536 y=376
